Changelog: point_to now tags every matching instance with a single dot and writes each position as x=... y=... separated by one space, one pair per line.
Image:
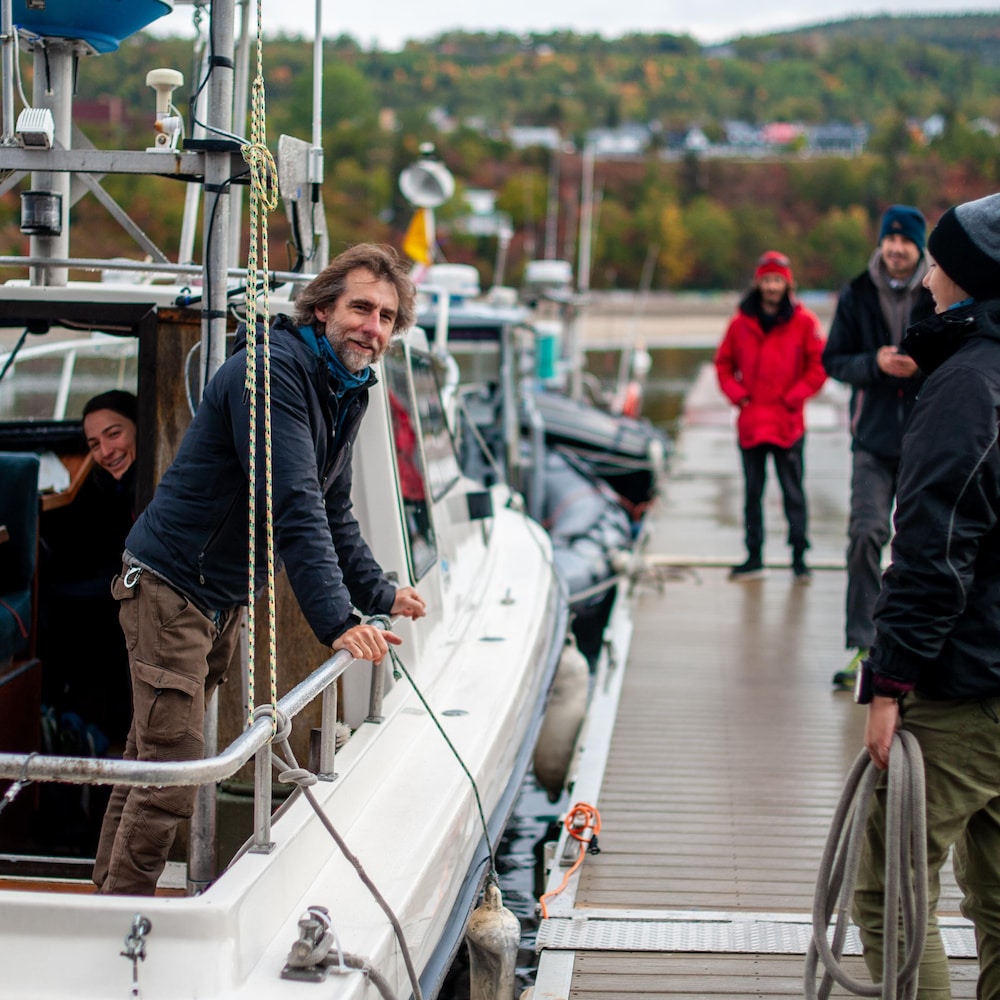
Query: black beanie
x=906 y=221
x=965 y=244
x=116 y=400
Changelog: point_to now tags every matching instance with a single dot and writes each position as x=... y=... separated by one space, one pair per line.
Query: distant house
x=837 y=137
x=441 y=120
x=695 y=141
x=986 y=126
x=781 y=133
x=631 y=139
x=932 y=128
x=525 y=136
x=742 y=135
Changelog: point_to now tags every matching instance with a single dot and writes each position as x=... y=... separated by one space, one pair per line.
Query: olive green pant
x=960 y=742
x=177 y=656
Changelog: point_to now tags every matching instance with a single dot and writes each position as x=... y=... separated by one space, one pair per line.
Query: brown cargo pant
x=960 y=743
x=177 y=657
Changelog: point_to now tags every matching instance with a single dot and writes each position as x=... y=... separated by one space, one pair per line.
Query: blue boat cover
x=102 y=24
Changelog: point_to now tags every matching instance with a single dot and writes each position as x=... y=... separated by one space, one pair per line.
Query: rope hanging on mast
x=263 y=199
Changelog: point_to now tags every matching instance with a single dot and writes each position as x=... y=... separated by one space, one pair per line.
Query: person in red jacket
x=769 y=364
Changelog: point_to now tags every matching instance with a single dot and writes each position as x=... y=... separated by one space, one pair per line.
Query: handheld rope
x=263 y=199
x=581 y=818
x=905 y=876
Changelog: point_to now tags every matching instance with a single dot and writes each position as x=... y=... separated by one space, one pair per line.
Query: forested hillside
x=705 y=220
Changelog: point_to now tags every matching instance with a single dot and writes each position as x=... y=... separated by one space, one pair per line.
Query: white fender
x=563 y=716
x=493 y=936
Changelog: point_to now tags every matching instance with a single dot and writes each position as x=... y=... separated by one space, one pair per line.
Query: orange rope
x=581 y=818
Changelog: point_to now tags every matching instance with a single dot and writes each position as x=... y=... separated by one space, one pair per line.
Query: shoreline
x=610 y=320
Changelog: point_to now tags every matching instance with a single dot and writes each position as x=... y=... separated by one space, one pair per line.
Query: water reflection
x=672 y=372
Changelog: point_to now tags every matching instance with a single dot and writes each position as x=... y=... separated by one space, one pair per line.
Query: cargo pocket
x=128 y=610
x=163 y=702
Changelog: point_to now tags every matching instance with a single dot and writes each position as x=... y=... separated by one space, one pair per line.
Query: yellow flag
x=416 y=242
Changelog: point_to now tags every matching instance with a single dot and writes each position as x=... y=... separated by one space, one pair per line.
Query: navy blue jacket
x=937 y=618
x=880 y=403
x=194 y=531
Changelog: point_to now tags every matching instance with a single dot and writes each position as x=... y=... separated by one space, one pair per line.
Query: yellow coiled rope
x=263 y=199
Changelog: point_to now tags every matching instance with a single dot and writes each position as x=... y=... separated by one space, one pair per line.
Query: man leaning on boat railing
x=184 y=577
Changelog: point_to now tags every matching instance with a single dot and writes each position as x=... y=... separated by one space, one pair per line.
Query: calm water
x=535 y=820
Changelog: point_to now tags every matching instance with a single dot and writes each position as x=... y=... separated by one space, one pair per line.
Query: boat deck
x=717 y=756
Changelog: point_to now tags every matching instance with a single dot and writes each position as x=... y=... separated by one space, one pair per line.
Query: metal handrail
x=98 y=771
x=145 y=267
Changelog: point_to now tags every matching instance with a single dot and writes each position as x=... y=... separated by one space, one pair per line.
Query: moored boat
x=439 y=739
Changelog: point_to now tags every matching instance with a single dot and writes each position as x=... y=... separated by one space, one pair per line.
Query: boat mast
x=216 y=208
x=52 y=88
x=7 y=42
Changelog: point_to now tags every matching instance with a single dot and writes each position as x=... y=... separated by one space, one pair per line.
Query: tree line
x=701 y=222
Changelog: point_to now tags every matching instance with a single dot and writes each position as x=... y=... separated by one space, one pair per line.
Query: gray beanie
x=965 y=244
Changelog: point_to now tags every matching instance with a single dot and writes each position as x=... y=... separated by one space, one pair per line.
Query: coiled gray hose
x=905 y=876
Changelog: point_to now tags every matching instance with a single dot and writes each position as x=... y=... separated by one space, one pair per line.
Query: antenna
x=167 y=127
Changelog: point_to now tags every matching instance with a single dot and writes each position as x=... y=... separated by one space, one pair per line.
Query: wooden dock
x=716 y=752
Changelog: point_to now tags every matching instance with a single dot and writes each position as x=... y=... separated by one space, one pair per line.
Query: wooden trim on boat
x=79 y=467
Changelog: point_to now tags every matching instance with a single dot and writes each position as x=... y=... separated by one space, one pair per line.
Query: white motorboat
x=440 y=739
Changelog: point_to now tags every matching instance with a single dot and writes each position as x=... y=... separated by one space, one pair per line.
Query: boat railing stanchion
x=328 y=734
x=378 y=675
x=377 y=693
x=262 y=843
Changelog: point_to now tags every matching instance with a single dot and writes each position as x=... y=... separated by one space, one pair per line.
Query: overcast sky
x=389 y=25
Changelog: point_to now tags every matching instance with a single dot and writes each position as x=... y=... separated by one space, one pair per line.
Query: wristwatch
x=864 y=684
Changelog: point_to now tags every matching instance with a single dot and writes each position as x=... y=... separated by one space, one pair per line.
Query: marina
x=349 y=812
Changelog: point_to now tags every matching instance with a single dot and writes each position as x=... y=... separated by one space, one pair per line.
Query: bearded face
x=359 y=324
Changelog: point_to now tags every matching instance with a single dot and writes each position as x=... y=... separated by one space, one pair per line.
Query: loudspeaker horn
x=427 y=183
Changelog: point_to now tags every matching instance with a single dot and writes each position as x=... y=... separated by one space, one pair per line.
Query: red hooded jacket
x=771 y=375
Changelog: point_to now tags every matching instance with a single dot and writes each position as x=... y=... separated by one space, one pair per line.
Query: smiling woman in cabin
x=81 y=543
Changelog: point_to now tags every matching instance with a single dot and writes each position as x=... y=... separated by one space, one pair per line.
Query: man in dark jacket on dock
x=185 y=573
x=934 y=667
x=863 y=350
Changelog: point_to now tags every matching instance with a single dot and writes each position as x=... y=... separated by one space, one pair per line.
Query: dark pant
x=177 y=657
x=873 y=487
x=789 y=466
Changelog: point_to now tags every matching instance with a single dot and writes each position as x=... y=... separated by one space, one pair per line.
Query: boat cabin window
x=439 y=446
x=409 y=462
x=53 y=380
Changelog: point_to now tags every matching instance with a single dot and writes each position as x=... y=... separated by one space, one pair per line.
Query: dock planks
x=728 y=750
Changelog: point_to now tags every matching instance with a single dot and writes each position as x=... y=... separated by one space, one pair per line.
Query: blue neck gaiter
x=958 y=305
x=344 y=379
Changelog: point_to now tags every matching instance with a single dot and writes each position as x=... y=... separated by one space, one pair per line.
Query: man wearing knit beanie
x=768 y=365
x=872 y=315
x=932 y=670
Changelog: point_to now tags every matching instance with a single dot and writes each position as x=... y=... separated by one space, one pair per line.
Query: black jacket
x=194 y=532
x=880 y=404
x=937 y=618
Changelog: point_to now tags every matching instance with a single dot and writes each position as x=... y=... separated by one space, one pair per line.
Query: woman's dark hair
x=116 y=400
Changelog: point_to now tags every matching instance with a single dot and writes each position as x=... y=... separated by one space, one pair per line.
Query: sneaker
x=752 y=569
x=801 y=572
x=844 y=679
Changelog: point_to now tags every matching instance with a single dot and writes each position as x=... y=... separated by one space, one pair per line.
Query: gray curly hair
x=381 y=260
